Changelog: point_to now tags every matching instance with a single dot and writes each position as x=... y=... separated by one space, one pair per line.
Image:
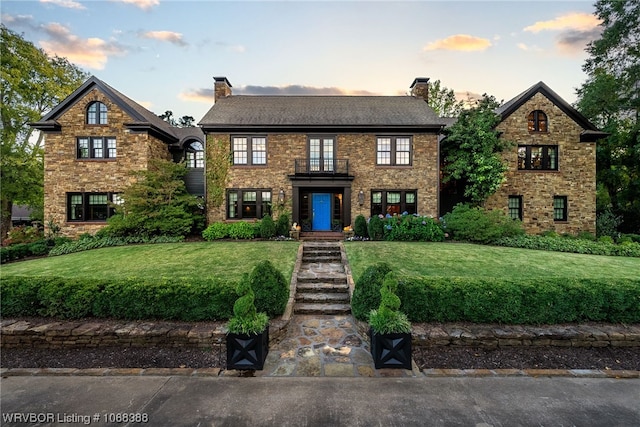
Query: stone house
x=324 y=159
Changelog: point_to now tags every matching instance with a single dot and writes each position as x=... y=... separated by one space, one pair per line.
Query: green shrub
x=366 y=293
x=96 y=242
x=522 y=301
x=475 y=224
x=388 y=319
x=585 y=235
x=215 y=231
x=23 y=234
x=607 y=224
x=283 y=224
x=601 y=247
x=20 y=296
x=605 y=239
x=22 y=250
x=67 y=298
x=376 y=228
x=270 y=287
x=246 y=319
x=360 y=226
x=267 y=227
x=241 y=230
x=412 y=228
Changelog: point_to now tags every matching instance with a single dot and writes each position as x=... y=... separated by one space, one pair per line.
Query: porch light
x=281 y=196
x=361 y=197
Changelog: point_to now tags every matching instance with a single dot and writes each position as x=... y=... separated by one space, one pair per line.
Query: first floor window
x=560 y=208
x=96 y=148
x=91 y=206
x=249 y=203
x=393 y=202
x=515 y=207
x=538 y=157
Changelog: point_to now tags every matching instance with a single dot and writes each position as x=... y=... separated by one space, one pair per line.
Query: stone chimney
x=420 y=88
x=221 y=88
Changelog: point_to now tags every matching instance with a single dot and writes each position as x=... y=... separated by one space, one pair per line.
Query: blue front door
x=321 y=205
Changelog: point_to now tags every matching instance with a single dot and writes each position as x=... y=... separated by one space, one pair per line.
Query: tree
x=471 y=151
x=610 y=98
x=157 y=204
x=183 y=122
x=443 y=100
x=32 y=84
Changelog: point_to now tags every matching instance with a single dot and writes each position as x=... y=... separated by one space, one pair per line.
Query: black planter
x=247 y=351
x=391 y=350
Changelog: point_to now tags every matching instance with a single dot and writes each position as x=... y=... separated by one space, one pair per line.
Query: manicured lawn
x=459 y=259
x=201 y=259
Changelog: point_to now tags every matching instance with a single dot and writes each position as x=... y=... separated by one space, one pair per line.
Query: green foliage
x=157 y=204
x=604 y=245
x=366 y=293
x=443 y=100
x=241 y=230
x=388 y=319
x=607 y=224
x=475 y=224
x=471 y=151
x=412 y=228
x=216 y=231
x=376 y=228
x=100 y=241
x=267 y=227
x=283 y=224
x=132 y=298
x=360 y=226
x=217 y=172
x=246 y=319
x=537 y=300
x=39 y=247
x=270 y=287
x=23 y=234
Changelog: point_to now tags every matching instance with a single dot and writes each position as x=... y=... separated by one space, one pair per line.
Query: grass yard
x=460 y=259
x=201 y=259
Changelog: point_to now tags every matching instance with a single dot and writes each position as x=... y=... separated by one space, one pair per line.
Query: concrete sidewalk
x=223 y=401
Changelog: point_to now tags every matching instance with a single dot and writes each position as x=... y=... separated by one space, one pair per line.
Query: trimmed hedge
x=564 y=244
x=23 y=250
x=366 y=292
x=133 y=298
x=534 y=301
x=94 y=242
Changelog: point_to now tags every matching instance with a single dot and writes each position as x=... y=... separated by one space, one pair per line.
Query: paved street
x=224 y=401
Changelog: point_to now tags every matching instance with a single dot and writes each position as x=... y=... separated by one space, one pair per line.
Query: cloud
x=19 y=20
x=69 y=4
x=198 y=95
x=462 y=42
x=91 y=52
x=528 y=48
x=142 y=4
x=165 y=36
x=574 y=41
x=297 y=90
x=575 y=21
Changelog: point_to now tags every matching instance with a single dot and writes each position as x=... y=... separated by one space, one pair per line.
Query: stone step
x=339 y=278
x=323 y=298
x=315 y=258
x=320 y=309
x=322 y=287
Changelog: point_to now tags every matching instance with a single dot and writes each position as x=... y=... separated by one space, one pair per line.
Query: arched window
x=195 y=155
x=537 y=121
x=97 y=114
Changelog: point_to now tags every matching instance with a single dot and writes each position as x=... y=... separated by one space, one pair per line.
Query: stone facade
x=575 y=177
x=65 y=173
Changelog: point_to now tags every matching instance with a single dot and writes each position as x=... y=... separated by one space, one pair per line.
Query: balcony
x=318 y=167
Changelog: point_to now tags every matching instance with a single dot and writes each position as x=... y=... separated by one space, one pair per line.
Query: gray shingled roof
x=338 y=111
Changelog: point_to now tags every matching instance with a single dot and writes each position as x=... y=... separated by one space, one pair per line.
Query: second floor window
x=537 y=121
x=195 y=156
x=96 y=148
x=97 y=114
x=249 y=150
x=393 y=150
x=538 y=157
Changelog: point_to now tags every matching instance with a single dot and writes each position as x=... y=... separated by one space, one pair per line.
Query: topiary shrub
x=270 y=288
x=366 y=293
x=246 y=319
x=360 y=227
x=267 y=227
x=388 y=319
x=283 y=224
x=376 y=228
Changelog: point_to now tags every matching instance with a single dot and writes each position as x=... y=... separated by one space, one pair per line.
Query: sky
x=164 y=54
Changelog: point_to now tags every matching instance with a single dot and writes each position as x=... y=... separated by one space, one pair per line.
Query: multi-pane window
x=91 y=206
x=249 y=150
x=538 y=157
x=393 y=202
x=249 y=203
x=560 y=208
x=393 y=150
x=537 y=121
x=97 y=114
x=515 y=207
x=195 y=155
x=96 y=148
x=321 y=154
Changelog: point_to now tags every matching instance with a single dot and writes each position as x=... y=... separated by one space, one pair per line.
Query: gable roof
x=142 y=119
x=506 y=109
x=320 y=112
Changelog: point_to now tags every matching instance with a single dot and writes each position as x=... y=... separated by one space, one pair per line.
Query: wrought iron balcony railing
x=322 y=167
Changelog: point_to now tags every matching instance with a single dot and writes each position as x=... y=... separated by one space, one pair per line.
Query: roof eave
x=227 y=128
x=47 y=126
x=152 y=130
